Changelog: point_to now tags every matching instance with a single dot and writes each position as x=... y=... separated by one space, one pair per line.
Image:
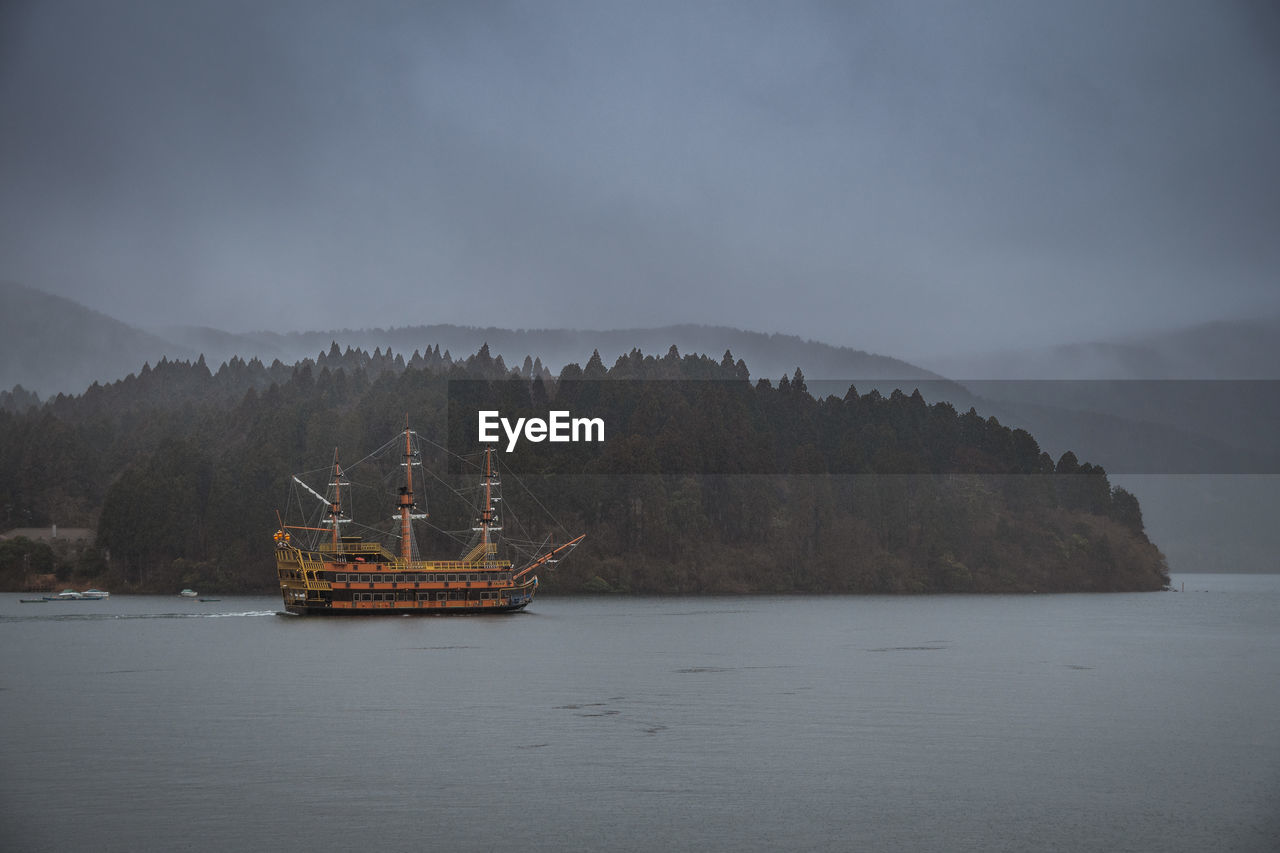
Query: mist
x=906 y=179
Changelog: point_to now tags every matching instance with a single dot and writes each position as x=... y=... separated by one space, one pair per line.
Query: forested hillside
x=707 y=482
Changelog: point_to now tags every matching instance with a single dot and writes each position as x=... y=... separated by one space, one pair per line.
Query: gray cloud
x=906 y=178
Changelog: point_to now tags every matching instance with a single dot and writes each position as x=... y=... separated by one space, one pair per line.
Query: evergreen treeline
x=701 y=486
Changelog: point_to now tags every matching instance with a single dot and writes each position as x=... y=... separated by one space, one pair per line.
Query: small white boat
x=95 y=594
x=69 y=595
x=188 y=593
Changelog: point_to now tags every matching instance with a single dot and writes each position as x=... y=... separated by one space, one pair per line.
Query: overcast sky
x=907 y=178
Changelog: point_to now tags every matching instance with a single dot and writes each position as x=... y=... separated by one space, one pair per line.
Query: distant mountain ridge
x=1219 y=349
x=767 y=355
x=51 y=345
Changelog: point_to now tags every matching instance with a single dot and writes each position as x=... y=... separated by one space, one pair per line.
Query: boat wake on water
x=103 y=617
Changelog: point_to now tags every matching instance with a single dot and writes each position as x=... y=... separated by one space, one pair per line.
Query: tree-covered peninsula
x=707 y=482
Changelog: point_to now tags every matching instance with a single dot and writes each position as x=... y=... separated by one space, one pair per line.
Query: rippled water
x=1108 y=722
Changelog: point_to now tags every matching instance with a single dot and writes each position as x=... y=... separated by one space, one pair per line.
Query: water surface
x=1073 y=722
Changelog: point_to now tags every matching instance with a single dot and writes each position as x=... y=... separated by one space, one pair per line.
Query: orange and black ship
x=323 y=572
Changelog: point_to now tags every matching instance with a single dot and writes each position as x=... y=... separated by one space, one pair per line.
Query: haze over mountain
x=94 y=347
x=1131 y=426
x=1246 y=348
x=50 y=344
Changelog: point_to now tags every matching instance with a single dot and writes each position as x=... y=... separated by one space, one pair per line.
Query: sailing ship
x=324 y=572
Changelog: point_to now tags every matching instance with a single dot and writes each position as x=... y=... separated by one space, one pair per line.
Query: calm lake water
x=1074 y=722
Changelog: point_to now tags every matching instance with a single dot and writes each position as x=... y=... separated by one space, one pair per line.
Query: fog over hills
x=49 y=344
x=1201 y=454
x=1135 y=420
x=94 y=347
x=1237 y=349
x=767 y=355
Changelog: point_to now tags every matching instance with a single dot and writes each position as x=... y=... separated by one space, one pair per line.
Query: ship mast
x=406 y=500
x=486 y=516
x=489 y=522
x=335 y=508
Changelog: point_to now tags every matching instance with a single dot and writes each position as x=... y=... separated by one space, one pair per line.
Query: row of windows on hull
x=417 y=578
x=453 y=595
x=345 y=577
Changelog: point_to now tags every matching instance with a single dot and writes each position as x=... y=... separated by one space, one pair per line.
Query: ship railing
x=457 y=565
x=303 y=561
x=354 y=548
x=299 y=559
x=306 y=562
